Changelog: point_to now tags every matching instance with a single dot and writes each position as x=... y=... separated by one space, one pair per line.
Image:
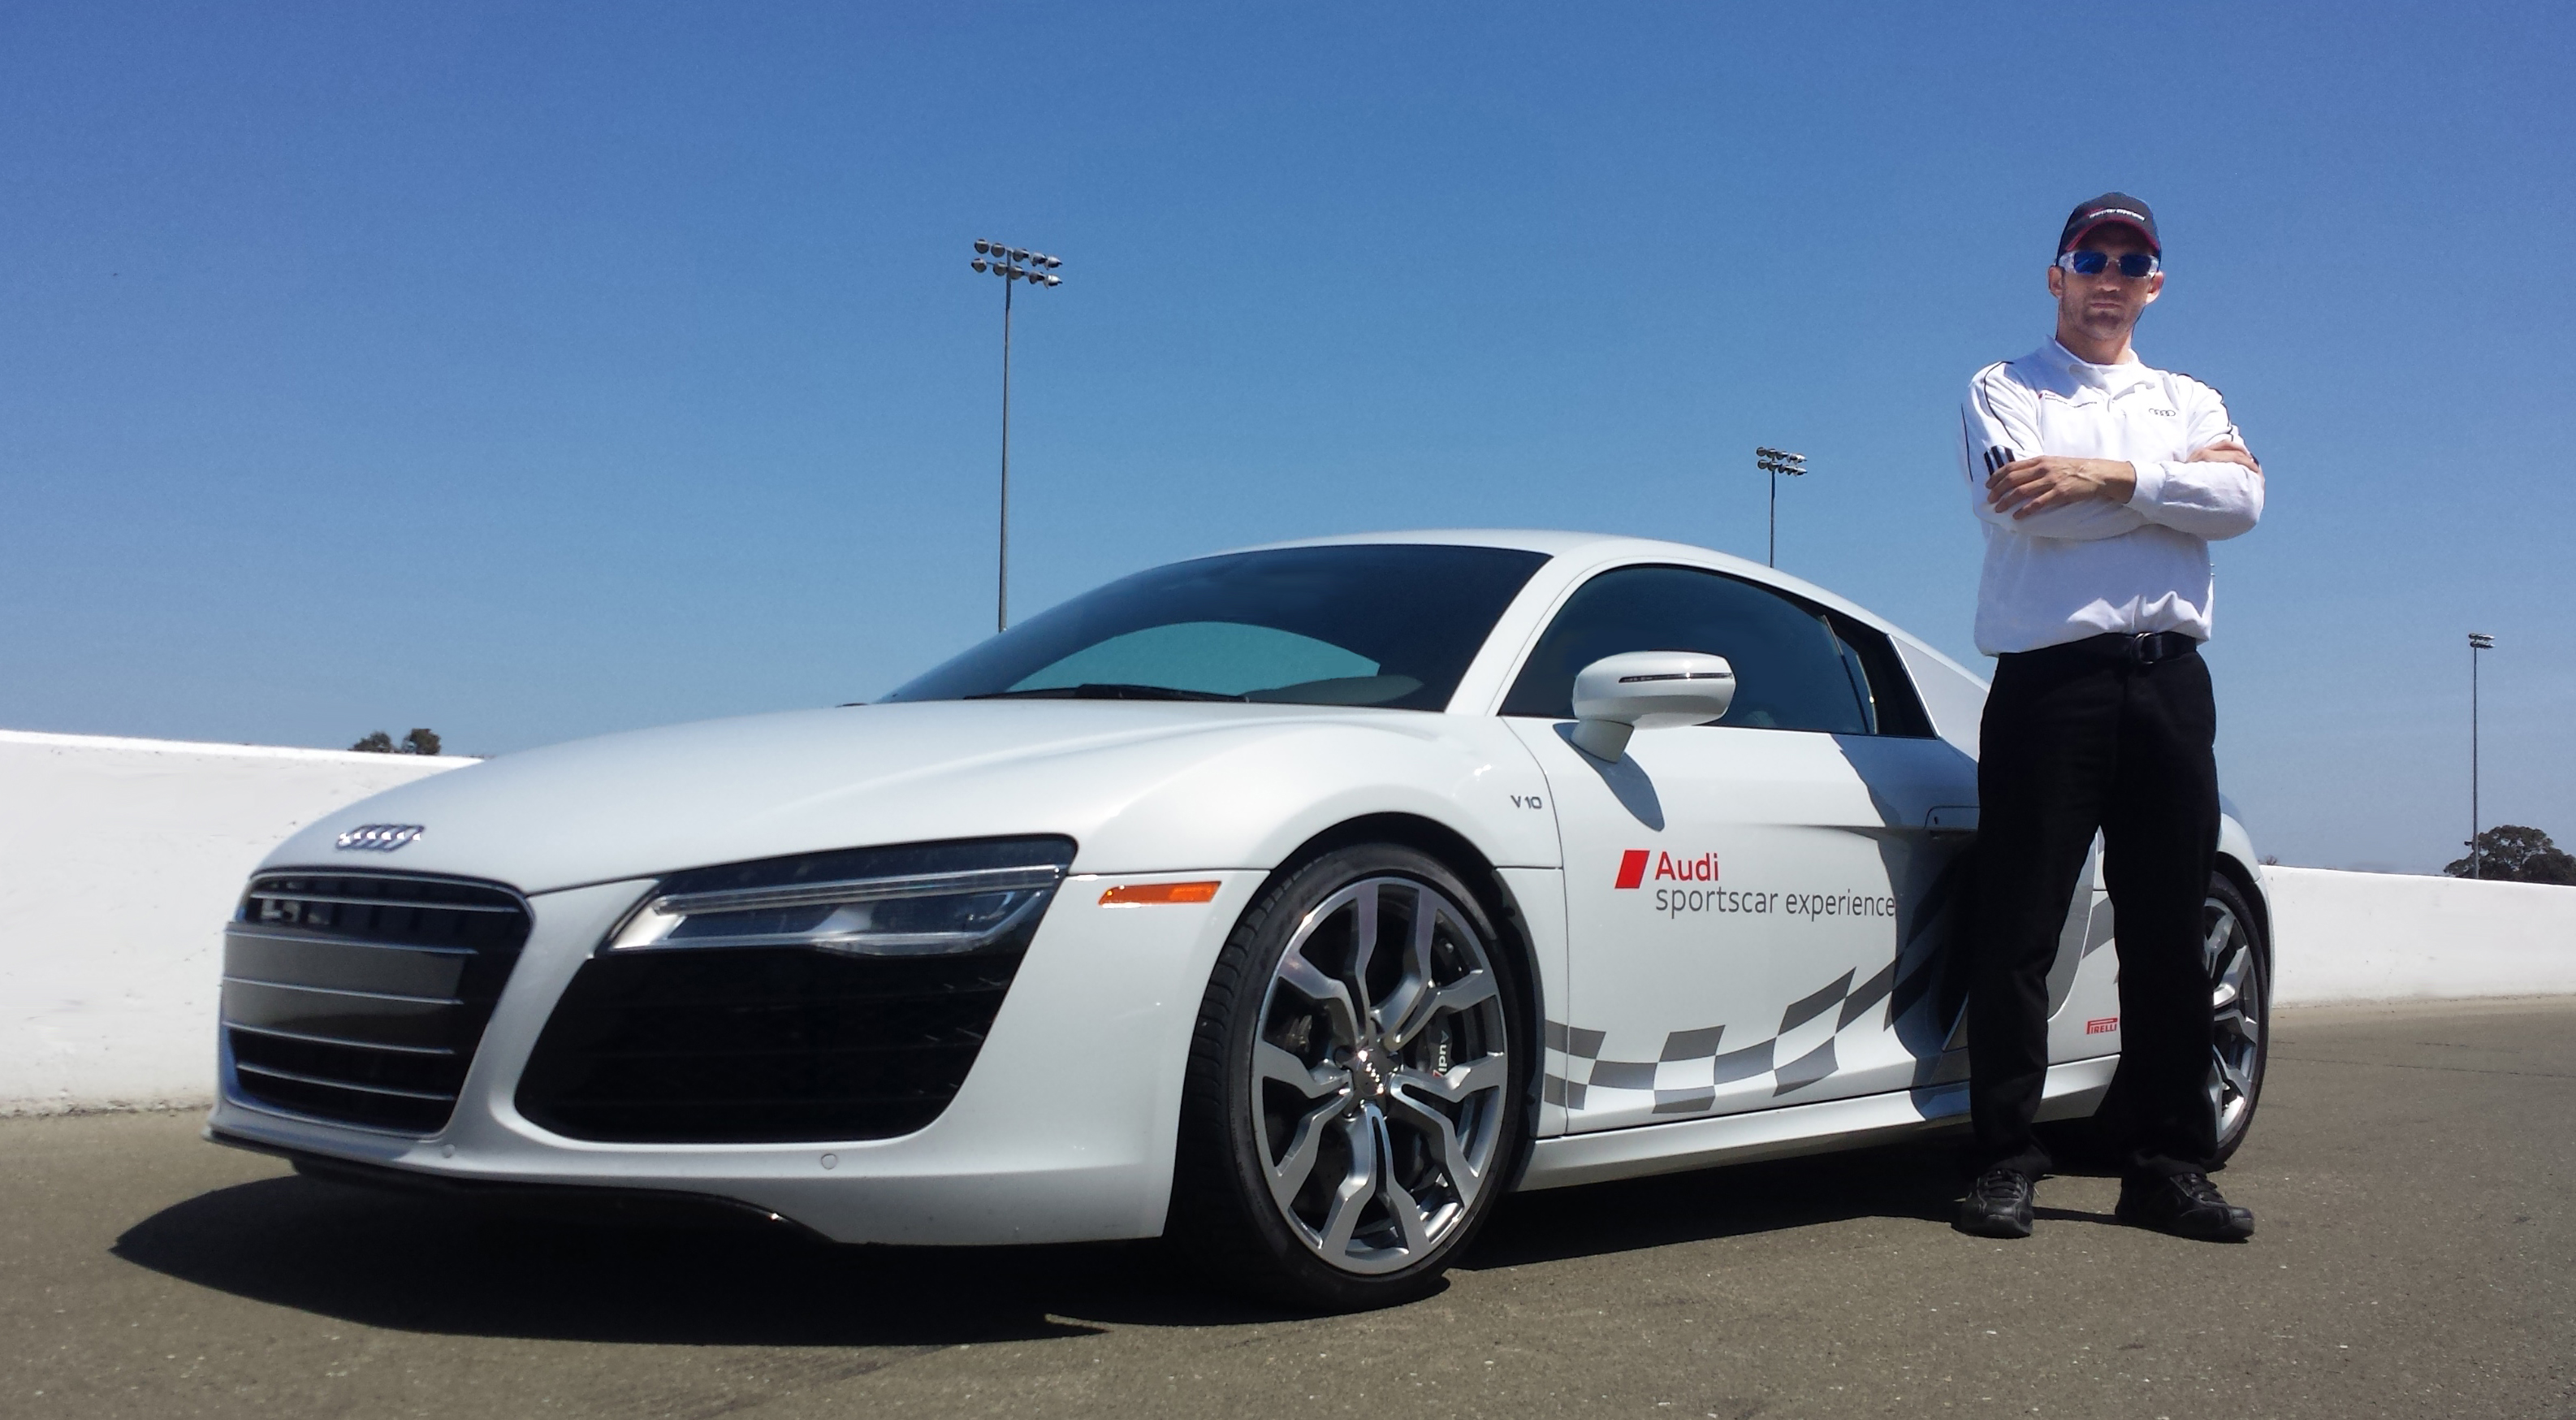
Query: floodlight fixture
x=1013 y=265
x=2478 y=641
x=1776 y=462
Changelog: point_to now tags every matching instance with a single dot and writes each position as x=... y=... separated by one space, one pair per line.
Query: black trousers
x=2079 y=738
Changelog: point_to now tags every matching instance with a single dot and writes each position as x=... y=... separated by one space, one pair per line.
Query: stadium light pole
x=2478 y=641
x=1014 y=265
x=1776 y=462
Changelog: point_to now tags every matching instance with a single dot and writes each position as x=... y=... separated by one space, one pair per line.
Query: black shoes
x=1998 y=1205
x=2186 y=1205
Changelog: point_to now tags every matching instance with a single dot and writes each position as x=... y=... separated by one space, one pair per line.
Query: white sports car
x=1302 y=900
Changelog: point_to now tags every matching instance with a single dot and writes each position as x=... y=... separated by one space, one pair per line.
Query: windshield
x=1390 y=625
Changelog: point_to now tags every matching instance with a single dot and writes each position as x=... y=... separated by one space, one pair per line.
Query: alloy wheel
x=2238 y=1016
x=1380 y=1075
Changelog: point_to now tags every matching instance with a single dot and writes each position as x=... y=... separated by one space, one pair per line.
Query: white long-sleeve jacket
x=2091 y=567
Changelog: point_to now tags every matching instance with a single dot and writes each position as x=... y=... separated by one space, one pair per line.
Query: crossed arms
x=2215 y=492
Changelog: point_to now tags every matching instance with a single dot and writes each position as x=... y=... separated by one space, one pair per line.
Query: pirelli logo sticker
x=2102 y=1025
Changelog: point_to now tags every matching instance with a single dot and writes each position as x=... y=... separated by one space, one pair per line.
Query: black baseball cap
x=2108 y=208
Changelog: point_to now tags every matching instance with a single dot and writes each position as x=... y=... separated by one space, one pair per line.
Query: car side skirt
x=2073 y=1090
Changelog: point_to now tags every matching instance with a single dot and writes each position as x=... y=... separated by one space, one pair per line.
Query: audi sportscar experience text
x=1298 y=902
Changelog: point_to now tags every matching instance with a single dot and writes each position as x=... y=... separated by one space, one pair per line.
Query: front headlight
x=914 y=900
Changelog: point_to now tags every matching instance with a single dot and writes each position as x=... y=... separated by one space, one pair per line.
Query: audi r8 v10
x=1300 y=901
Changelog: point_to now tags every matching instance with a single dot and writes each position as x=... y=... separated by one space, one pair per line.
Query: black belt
x=2144 y=650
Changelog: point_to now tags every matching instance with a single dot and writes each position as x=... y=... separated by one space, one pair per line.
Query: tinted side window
x=1792 y=672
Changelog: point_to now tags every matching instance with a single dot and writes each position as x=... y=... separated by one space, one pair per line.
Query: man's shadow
x=582 y=1272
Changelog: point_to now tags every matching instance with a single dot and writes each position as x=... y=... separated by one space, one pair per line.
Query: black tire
x=1337 y=1105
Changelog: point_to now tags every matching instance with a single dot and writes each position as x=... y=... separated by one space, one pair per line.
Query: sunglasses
x=2135 y=265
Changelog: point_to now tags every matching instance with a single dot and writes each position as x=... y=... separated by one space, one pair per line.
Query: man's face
x=2104 y=307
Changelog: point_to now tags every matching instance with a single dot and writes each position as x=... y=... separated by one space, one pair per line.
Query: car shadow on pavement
x=439 y=1265
x=442 y=1265
x=1917 y=1181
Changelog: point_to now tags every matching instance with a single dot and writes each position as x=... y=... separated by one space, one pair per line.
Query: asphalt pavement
x=2413 y=1170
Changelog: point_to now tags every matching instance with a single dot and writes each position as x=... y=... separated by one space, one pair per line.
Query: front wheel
x=1357 y=1082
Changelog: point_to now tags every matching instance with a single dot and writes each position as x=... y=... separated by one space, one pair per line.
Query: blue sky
x=532 y=372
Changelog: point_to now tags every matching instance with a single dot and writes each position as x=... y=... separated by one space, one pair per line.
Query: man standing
x=2101 y=483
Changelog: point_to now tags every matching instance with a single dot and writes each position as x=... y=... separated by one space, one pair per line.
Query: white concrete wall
x=119 y=861
x=2385 y=937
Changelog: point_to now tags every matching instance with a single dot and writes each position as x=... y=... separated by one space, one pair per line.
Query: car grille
x=359 y=998
x=762 y=1044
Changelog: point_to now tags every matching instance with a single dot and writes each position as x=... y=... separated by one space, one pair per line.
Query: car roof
x=1552 y=542
x=1581 y=547
x=1589 y=549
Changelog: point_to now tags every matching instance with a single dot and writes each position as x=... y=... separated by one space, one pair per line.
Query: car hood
x=652 y=801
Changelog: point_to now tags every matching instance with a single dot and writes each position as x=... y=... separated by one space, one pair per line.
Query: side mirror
x=1647 y=690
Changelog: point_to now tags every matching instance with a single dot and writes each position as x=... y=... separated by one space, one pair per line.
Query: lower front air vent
x=360 y=998
x=772 y=1044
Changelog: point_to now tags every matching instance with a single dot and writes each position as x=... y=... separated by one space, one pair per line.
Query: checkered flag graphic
x=1916 y=993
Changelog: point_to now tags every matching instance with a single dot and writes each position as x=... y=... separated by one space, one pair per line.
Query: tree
x=419 y=741
x=2511 y=853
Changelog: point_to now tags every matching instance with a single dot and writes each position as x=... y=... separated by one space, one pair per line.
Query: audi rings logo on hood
x=378 y=837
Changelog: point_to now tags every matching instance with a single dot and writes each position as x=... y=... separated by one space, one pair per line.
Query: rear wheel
x=2240 y=1006
x=1357 y=1083
x=2240 y=1001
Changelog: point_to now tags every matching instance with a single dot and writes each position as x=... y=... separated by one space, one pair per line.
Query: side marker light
x=1139 y=894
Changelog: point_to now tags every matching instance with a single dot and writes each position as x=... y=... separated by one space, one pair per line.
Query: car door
x=1756 y=907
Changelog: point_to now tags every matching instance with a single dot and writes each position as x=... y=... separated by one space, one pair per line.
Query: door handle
x=1952 y=818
